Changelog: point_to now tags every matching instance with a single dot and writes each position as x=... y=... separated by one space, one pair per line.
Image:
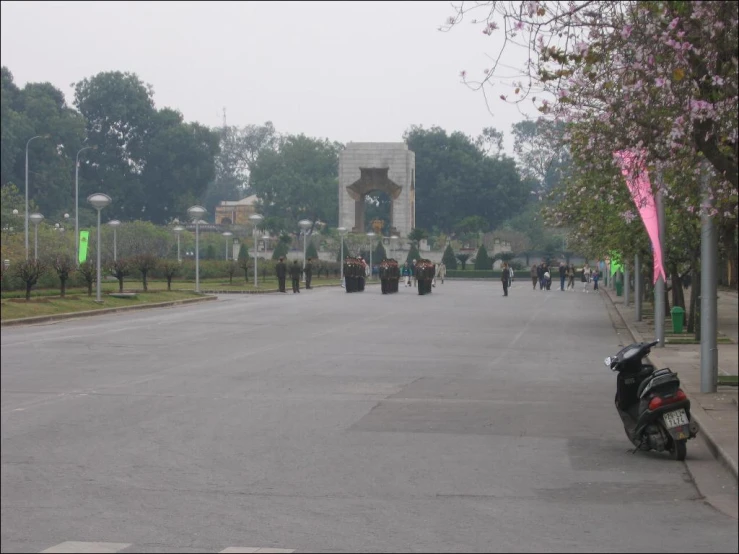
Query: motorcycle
x=654 y=409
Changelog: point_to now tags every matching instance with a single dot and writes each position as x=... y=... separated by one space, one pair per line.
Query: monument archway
x=385 y=167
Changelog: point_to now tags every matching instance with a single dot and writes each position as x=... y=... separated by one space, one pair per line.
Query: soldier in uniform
x=308 y=272
x=281 y=271
x=295 y=272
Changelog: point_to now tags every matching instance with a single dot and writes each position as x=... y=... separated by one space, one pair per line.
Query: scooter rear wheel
x=679 y=450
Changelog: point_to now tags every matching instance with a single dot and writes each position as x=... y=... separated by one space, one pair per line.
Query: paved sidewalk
x=716 y=413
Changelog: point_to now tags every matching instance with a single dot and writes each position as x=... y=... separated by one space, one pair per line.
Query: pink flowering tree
x=659 y=77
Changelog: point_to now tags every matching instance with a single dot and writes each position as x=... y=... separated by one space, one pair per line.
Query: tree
x=542 y=153
x=310 y=250
x=449 y=259
x=482 y=260
x=379 y=253
x=29 y=272
x=121 y=268
x=413 y=254
x=298 y=180
x=243 y=252
x=417 y=235
x=244 y=264
x=88 y=270
x=145 y=263
x=280 y=251
x=64 y=266
x=463 y=259
x=170 y=268
x=231 y=268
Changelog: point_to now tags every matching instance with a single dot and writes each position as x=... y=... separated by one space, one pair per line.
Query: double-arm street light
x=255 y=220
x=99 y=201
x=196 y=213
x=77 y=205
x=342 y=232
x=27 y=214
x=115 y=224
x=35 y=219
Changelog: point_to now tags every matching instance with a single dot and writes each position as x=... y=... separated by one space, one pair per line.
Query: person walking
x=441 y=272
x=505 y=276
x=413 y=272
x=308 y=273
x=534 y=275
x=281 y=271
x=510 y=276
x=571 y=277
x=295 y=272
x=596 y=277
x=562 y=276
x=540 y=274
x=547 y=278
x=406 y=274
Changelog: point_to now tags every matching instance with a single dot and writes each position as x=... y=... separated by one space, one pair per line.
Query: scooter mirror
x=607 y=361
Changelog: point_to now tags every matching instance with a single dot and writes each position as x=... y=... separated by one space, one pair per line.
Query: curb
x=89 y=313
x=696 y=410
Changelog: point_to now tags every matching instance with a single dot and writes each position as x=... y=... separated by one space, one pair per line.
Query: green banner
x=84 y=237
x=616 y=263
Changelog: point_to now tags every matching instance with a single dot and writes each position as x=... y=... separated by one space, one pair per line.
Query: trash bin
x=619 y=288
x=678 y=317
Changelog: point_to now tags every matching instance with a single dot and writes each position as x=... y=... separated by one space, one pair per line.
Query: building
x=236 y=212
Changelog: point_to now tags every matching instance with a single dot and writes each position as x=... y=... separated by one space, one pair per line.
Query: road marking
x=87 y=547
x=240 y=549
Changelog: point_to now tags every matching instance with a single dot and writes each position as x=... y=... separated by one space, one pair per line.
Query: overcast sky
x=347 y=71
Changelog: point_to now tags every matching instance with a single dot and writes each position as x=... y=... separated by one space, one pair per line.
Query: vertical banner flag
x=637 y=179
x=84 y=237
x=616 y=264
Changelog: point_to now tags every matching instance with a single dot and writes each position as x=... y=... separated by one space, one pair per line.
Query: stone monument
x=388 y=167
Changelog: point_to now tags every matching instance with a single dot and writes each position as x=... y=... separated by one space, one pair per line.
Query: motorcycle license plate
x=675 y=419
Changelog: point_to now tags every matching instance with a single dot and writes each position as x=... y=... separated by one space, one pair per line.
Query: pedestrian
x=571 y=277
x=562 y=276
x=281 y=271
x=547 y=278
x=406 y=274
x=295 y=276
x=596 y=277
x=308 y=272
x=413 y=272
x=505 y=276
x=534 y=275
x=441 y=271
x=510 y=276
x=586 y=273
x=540 y=275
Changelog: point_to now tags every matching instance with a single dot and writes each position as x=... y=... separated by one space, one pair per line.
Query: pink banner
x=637 y=179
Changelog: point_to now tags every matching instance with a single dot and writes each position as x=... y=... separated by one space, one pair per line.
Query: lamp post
x=227 y=235
x=35 y=219
x=99 y=201
x=305 y=224
x=115 y=224
x=177 y=230
x=77 y=205
x=371 y=235
x=27 y=215
x=342 y=232
x=196 y=212
x=255 y=219
x=393 y=244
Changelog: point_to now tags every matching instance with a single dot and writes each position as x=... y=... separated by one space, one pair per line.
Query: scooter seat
x=659 y=377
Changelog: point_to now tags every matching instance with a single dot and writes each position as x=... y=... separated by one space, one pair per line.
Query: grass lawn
x=18 y=308
x=728 y=380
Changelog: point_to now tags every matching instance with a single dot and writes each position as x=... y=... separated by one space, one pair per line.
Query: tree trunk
x=63 y=287
x=28 y=290
x=89 y=288
x=120 y=284
x=678 y=294
x=169 y=282
x=697 y=292
x=694 y=291
x=728 y=238
x=143 y=278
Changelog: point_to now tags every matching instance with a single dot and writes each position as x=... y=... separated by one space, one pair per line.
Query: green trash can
x=678 y=317
x=619 y=288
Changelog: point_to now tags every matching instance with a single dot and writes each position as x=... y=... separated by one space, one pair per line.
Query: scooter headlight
x=607 y=362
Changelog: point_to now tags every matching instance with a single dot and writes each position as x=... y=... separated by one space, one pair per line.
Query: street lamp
x=115 y=224
x=196 y=212
x=177 y=230
x=35 y=219
x=77 y=205
x=27 y=215
x=99 y=201
x=227 y=234
x=371 y=235
x=393 y=244
x=342 y=232
x=305 y=224
x=255 y=219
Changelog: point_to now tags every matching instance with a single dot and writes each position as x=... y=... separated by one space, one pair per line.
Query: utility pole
x=659 y=287
x=709 y=297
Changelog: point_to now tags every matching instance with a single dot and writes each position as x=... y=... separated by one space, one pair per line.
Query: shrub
x=170 y=268
x=379 y=253
x=482 y=260
x=413 y=254
x=88 y=271
x=310 y=251
x=449 y=259
x=280 y=250
x=29 y=272
x=463 y=260
x=64 y=267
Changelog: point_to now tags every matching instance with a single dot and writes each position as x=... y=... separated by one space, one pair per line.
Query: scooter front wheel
x=679 y=450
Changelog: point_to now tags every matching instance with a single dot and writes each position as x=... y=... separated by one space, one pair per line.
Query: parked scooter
x=654 y=409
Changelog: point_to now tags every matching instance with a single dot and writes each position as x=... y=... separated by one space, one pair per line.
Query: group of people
x=408 y=273
x=542 y=275
x=295 y=271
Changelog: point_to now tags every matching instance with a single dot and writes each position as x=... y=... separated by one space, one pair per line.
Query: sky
x=346 y=71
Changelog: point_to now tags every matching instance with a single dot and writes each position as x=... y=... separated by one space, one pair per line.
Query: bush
x=379 y=253
x=482 y=260
x=310 y=251
x=243 y=252
x=473 y=274
x=449 y=259
x=413 y=254
x=280 y=250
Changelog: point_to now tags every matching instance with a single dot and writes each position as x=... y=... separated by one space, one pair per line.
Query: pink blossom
x=626 y=31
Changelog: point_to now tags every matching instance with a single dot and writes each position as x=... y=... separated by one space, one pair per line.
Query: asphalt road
x=460 y=421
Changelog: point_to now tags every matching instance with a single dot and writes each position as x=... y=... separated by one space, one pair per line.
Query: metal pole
x=659 y=287
x=637 y=286
x=256 y=283
x=99 y=299
x=29 y=142
x=115 y=245
x=305 y=242
x=709 y=298
x=341 y=261
x=197 y=257
x=76 y=211
x=370 y=248
x=35 y=242
x=178 y=248
x=627 y=285
x=226 y=248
